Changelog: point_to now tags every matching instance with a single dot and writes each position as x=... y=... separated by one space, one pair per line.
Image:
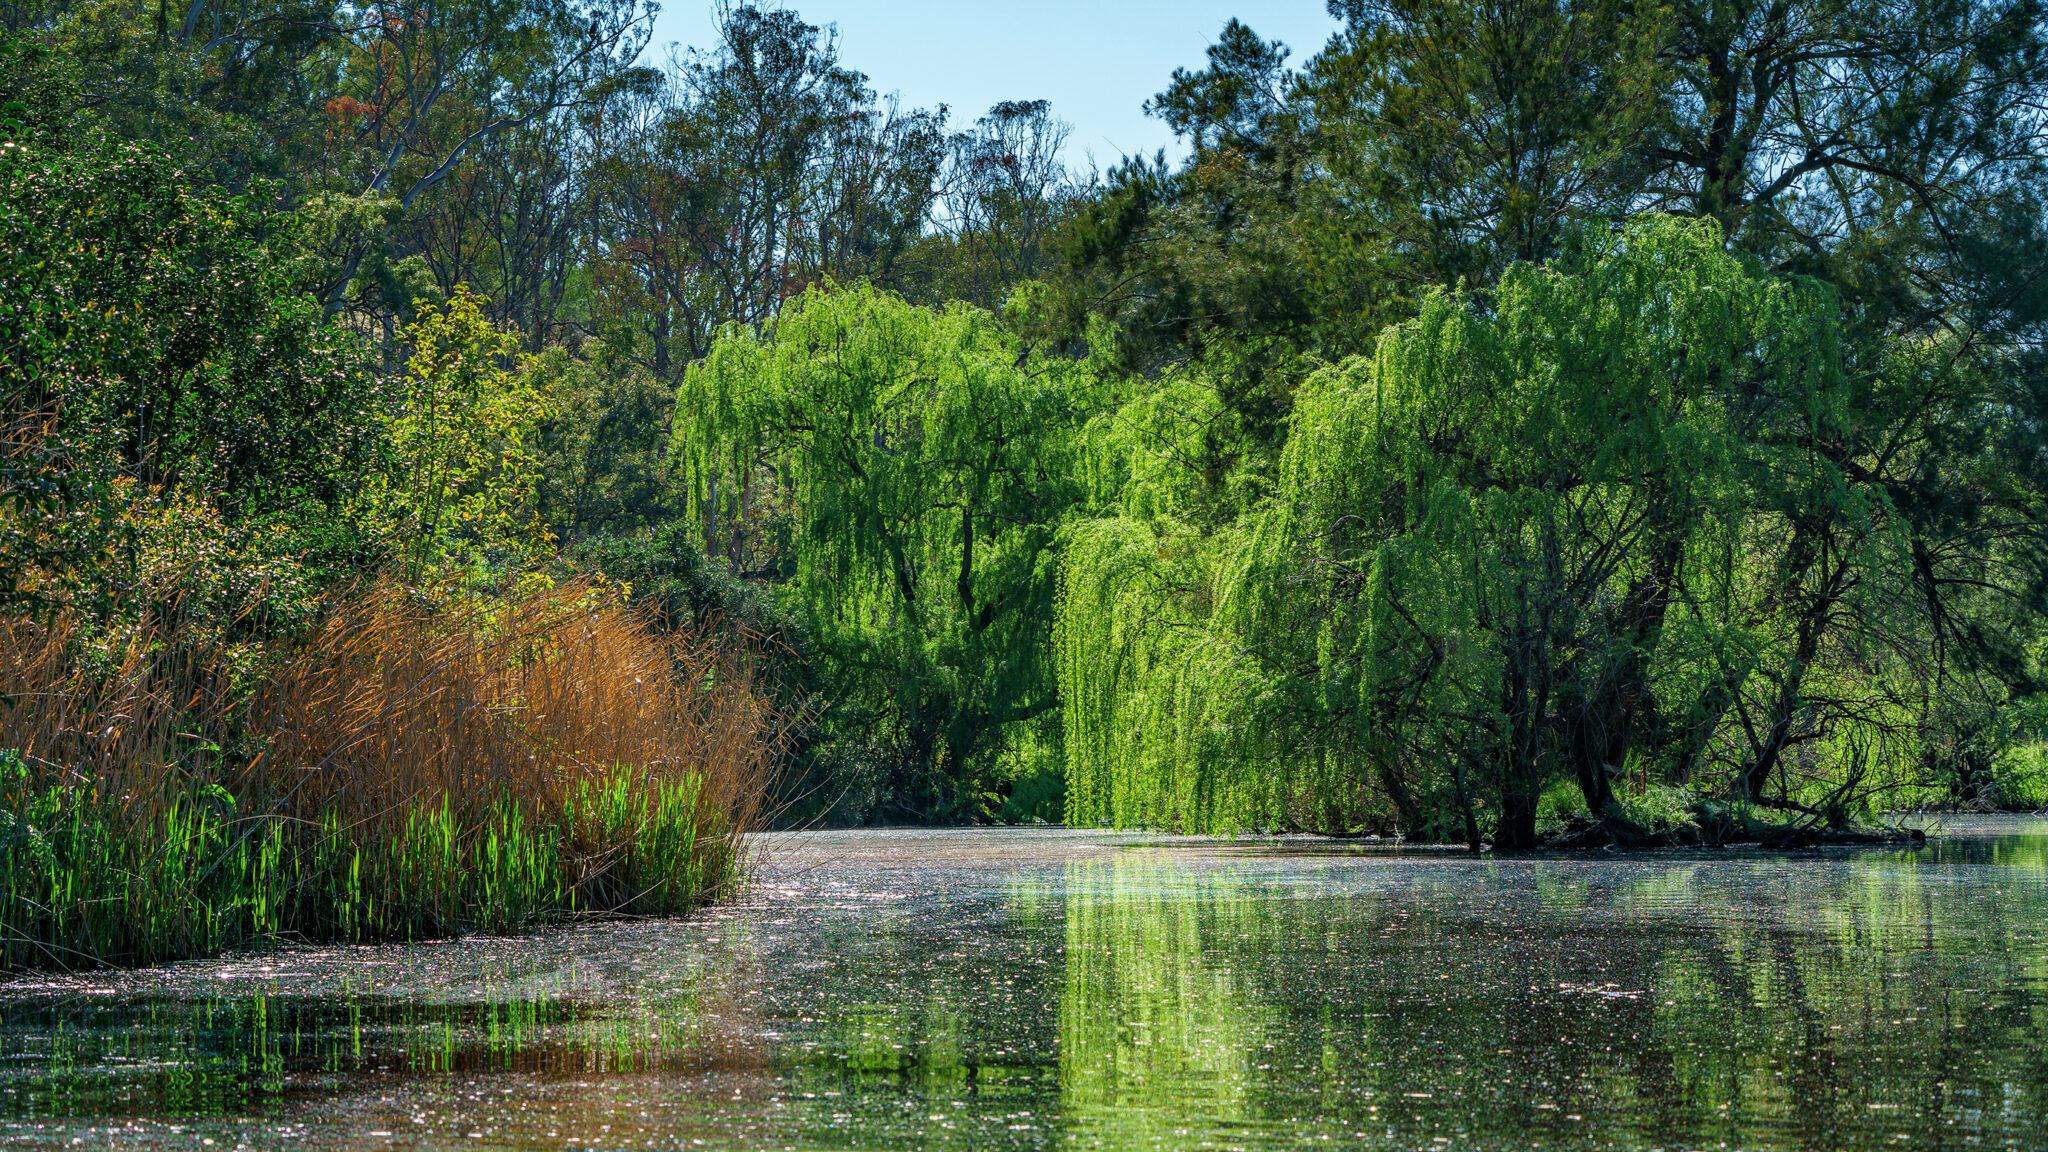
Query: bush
x=668 y=573
x=149 y=334
x=1658 y=808
x=2022 y=774
x=1560 y=802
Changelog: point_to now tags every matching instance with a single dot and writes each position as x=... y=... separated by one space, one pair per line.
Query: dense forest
x=478 y=438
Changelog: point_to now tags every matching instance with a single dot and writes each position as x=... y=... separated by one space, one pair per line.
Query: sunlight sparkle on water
x=1035 y=989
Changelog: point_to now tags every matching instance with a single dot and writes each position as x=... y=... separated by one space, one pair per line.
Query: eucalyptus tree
x=873 y=191
x=1005 y=192
x=901 y=473
x=646 y=211
x=748 y=132
x=513 y=225
x=362 y=110
x=749 y=171
x=1426 y=143
x=415 y=92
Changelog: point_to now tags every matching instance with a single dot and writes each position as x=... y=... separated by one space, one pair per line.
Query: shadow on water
x=999 y=989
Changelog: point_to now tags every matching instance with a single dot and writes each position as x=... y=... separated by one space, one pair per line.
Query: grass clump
x=416 y=767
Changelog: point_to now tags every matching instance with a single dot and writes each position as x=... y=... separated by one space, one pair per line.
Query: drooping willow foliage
x=902 y=472
x=1621 y=520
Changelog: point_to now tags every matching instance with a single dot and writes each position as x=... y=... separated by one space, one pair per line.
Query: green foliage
x=1030 y=774
x=666 y=570
x=1887 y=148
x=1005 y=195
x=1658 y=808
x=38 y=89
x=151 y=335
x=757 y=165
x=231 y=589
x=88 y=879
x=193 y=454
x=312 y=93
x=1867 y=549
x=603 y=467
x=1522 y=543
x=462 y=468
x=1162 y=715
x=1038 y=793
x=2022 y=779
x=908 y=470
x=1389 y=523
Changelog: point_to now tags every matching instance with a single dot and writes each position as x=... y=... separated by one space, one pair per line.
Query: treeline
x=1585 y=408
x=1517 y=420
x=510 y=231
x=532 y=154
x=1530 y=421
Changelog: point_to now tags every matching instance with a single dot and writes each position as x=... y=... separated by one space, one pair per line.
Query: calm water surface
x=1039 y=989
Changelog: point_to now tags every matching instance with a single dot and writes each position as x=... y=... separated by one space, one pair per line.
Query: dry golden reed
x=420 y=764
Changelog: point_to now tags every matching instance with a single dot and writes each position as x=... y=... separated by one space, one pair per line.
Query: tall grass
x=416 y=767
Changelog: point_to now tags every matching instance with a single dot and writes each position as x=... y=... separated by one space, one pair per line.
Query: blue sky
x=1096 y=61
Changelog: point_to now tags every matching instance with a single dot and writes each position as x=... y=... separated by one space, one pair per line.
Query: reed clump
x=416 y=766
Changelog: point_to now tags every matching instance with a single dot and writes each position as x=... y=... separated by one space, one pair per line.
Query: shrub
x=2023 y=778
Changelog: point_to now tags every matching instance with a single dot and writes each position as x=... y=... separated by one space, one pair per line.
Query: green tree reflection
x=1405 y=1001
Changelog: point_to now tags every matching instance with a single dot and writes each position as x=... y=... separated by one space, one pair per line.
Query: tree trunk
x=1784 y=710
x=1601 y=727
x=1517 y=829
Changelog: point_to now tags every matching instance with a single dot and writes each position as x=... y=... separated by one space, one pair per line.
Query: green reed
x=89 y=878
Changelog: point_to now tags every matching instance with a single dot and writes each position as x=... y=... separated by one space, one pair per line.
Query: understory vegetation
x=286 y=652
x=458 y=475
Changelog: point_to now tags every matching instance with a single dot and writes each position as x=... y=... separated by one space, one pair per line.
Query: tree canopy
x=1630 y=518
x=905 y=470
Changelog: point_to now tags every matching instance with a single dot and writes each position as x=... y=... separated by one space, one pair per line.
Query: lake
x=1051 y=988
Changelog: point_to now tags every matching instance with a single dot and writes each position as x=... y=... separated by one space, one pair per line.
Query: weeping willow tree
x=901 y=473
x=1611 y=522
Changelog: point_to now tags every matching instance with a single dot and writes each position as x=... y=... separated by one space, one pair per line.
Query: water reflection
x=1037 y=990
x=1846 y=1002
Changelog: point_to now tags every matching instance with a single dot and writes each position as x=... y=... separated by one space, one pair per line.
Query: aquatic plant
x=415 y=768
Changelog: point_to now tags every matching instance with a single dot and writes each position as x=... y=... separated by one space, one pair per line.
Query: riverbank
x=413 y=767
